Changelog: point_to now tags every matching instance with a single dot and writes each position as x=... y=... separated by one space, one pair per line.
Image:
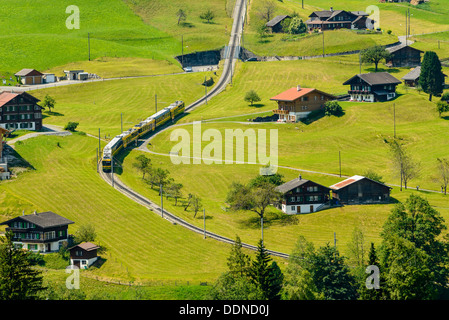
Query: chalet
x=275 y=24
x=44 y=232
x=303 y=196
x=83 y=255
x=20 y=111
x=297 y=103
x=411 y=79
x=29 y=76
x=404 y=56
x=371 y=87
x=338 y=19
x=4 y=173
x=360 y=190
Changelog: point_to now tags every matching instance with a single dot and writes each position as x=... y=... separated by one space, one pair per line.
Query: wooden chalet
x=360 y=190
x=296 y=103
x=83 y=255
x=411 y=79
x=372 y=87
x=29 y=76
x=303 y=196
x=404 y=56
x=41 y=232
x=20 y=111
x=275 y=24
x=338 y=19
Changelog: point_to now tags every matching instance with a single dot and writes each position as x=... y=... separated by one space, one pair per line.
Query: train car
x=162 y=117
x=112 y=148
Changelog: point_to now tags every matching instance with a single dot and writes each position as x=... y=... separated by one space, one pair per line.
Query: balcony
x=280 y=111
x=359 y=92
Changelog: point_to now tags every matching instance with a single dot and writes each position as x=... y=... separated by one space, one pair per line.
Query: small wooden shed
x=83 y=255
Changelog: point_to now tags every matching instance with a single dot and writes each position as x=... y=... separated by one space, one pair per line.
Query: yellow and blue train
x=130 y=136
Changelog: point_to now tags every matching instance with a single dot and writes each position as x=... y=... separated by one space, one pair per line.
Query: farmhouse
x=275 y=24
x=303 y=196
x=360 y=190
x=20 y=111
x=83 y=255
x=44 y=232
x=371 y=87
x=297 y=103
x=29 y=76
x=404 y=56
x=338 y=19
x=411 y=79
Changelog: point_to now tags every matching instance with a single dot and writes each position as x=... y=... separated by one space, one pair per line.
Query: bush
x=71 y=126
x=333 y=108
x=445 y=96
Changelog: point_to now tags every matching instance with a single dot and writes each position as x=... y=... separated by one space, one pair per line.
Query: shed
x=360 y=190
x=73 y=74
x=49 y=78
x=275 y=24
x=411 y=79
x=404 y=56
x=83 y=255
x=29 y=76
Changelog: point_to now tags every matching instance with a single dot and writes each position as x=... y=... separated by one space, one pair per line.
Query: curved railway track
x=225 y=79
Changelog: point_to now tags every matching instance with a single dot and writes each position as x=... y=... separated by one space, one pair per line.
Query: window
x=292 y=208
x=312 y=189
x=292 y=199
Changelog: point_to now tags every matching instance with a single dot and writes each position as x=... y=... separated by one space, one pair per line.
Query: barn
x=360 y=190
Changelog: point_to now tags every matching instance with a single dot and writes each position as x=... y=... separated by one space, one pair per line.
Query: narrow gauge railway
x=131 y=136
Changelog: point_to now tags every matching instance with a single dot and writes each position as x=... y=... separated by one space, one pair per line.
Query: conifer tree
x=431 y=78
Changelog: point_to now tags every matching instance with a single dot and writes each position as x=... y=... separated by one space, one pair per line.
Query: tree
x=252 y=96
x=431 y=78
x=158 y=177
x=208 y=15
x=356 y=248
x=196 y=204
x=406 y=167
x=415 y=256
x=276 y=179
x=18 y=279
x=285 y=24
x=267 y=276
x=443 y=173
x=267 y=10
x=333 y=108
x=262 y=30
x=296 y=26
x=374 y=55
x=239 y=263
x=142 y=164
x=442 y=106
x=370 y=174
x=174 y=191
x=181 y=15
x=71 y=126
x=49 y=102
x=374 y=293
x=85 y=233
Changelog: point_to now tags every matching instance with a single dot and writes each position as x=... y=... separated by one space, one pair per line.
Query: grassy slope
x=141 y=246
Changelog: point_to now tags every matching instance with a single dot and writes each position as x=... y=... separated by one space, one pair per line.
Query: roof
x=400 y=47
x=412 y=75
x=87 y=246
x=293 y=94
x=6 y=96
x=352 y=180
x=286 y=187
x=276 y=20
x=377 y=78
x=328 y=14
x=44 y=219
x=28 y=72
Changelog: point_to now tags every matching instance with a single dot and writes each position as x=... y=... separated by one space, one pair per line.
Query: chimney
x=332 y=9
x=298 y=87
x=35 y=212
x=23 y=212
x=300 y=177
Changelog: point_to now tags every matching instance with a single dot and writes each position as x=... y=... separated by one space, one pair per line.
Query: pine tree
x=238 y=262
x=431 y=78
x=18 y=279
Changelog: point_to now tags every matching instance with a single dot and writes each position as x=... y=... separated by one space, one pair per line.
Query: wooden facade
x=84 y=254
x=275 y=24
x=297 y=103
x=404 y=56
x=43 y=232
x=360 y=190
x=372 y=87
x=29 y=77
x=303 y=196
x=20 y=111
x=338 y=19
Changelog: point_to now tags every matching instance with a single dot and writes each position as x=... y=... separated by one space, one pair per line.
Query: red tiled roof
x=292 y=94
x=5 y=97
x=343 y=183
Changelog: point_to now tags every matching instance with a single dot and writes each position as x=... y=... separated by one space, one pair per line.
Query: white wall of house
x=84 y=263
x=305 y=208
x=41 y=247
x=362 y=97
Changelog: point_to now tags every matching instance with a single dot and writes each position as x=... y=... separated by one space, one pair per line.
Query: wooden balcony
x=280 y=111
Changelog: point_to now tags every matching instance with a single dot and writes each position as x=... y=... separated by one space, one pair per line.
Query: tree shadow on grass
x=257 y=105
x=186 y=25
x=270 y=218
x=52 y=113
x=380 y=69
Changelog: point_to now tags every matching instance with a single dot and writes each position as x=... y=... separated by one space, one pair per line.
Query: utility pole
x=261 y=224
x=99 y=142
x=323 y=42
x=155 y=101
x=409 y=22
x=204 y=222
x=394 y=119
x=97 y=161
x=121 y=122
x=182 y=51
x=360 y=62
x=406 y=28
x=112 y=170
x=303 y=4
x=162 y=201
x=88 y=43
x=339 y=160
x=205 y=88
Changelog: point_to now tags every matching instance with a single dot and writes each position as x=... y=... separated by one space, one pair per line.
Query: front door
x=311 y=208
x=298 y=209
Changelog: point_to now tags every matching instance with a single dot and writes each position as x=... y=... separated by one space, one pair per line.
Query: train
x=130 y=136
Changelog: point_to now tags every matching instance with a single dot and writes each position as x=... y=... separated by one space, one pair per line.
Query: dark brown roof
x=44 y=219
x=276 y=20
x=290 y=185
x=28 y=72
x=87 y=246
x=377 y=78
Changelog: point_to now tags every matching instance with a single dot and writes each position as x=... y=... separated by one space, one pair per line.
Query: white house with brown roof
x=83 y=255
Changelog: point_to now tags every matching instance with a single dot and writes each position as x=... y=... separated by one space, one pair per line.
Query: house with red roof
x=20 y=111
x=297 y=103
x=360 y=190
